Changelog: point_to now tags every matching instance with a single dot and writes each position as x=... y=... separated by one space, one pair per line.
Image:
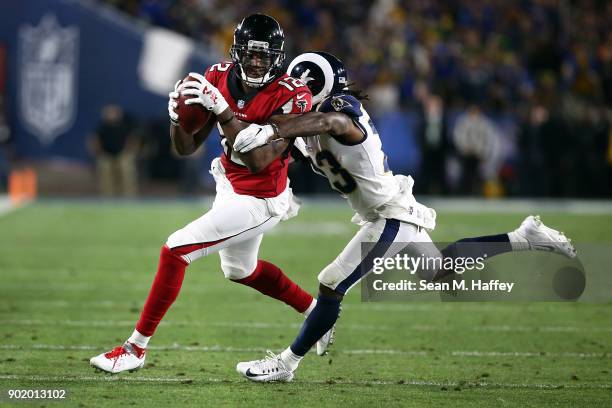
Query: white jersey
x=359 y=171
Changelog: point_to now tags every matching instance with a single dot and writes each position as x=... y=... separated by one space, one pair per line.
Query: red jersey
x=284 y=95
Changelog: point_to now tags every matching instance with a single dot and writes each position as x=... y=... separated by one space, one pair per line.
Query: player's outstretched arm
x=319 y=123
x=256 y=159
x=338 y=125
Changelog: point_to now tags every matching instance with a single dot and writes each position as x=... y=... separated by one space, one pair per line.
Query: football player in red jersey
x=253 y=194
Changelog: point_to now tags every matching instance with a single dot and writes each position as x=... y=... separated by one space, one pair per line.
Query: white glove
x=173 y=103
x=204 y=93
x=252 y=136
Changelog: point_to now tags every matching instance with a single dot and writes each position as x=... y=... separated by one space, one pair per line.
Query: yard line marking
x=347 y=326
x=386 y=351
x=367 y=307
x=85 y=378
x=229 y=349
x=69 y=286
x=400 y=382
x=362 y=307
x=454 y=306
x=439 y=307
x=554 y=329
x=476 y=353
x=173 y=347
x=211 y=349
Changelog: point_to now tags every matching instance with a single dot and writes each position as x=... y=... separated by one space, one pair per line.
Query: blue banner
x=66 y=60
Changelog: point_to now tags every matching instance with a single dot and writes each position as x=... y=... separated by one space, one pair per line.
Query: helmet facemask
x=258 y=62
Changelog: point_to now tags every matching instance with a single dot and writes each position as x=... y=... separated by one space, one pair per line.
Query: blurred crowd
x=465 y=67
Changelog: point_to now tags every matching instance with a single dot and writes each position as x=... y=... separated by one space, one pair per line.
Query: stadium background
x=477 y=99
x=530 y=80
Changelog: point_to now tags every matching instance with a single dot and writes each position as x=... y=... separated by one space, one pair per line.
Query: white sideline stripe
x=420 y=353
x=465 y=205
x=517 y=206
x=265 y=325
x=6 y=206
x=422 y=383
x=470 y=205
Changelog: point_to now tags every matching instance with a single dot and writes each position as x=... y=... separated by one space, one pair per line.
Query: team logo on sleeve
x=338 y=104
x=302 y=104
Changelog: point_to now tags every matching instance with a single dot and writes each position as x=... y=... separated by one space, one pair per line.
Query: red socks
x=271 y=281
x=267 y=279
x=165 y=289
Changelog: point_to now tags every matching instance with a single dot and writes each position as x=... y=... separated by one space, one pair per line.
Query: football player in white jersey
x=343 y=145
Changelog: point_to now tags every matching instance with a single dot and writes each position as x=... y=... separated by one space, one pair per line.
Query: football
x=192 y=117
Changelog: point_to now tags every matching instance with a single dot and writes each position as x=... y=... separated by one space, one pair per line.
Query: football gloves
x=204 y=94
x=173 y=103
x=253 y=136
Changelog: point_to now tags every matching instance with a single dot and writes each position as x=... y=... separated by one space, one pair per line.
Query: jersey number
x=221 y=66
x=342 y=179
x=295 y=83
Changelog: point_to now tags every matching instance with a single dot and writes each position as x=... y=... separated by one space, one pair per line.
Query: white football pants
x=352 y=265
x=234 y=227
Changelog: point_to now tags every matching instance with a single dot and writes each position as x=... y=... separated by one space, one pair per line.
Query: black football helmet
x=322 y=72
x=258 y=49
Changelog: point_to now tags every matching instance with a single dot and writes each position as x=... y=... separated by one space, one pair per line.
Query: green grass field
x=74 y=277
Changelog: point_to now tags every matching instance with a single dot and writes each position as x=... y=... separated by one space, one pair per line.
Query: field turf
x=75 y=275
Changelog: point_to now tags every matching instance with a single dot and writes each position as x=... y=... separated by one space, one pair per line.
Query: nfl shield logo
x=48 y=67
x=240 y=104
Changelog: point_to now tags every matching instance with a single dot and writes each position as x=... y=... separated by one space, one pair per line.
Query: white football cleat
x=243 y=366
x=128 y=357
x=272 y=368
x=326 y=341
x=542 y=238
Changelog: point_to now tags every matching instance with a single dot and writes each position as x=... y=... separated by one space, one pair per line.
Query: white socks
x=138 y=339
x=290 y=359
x=312 y=306
x=518 y=242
